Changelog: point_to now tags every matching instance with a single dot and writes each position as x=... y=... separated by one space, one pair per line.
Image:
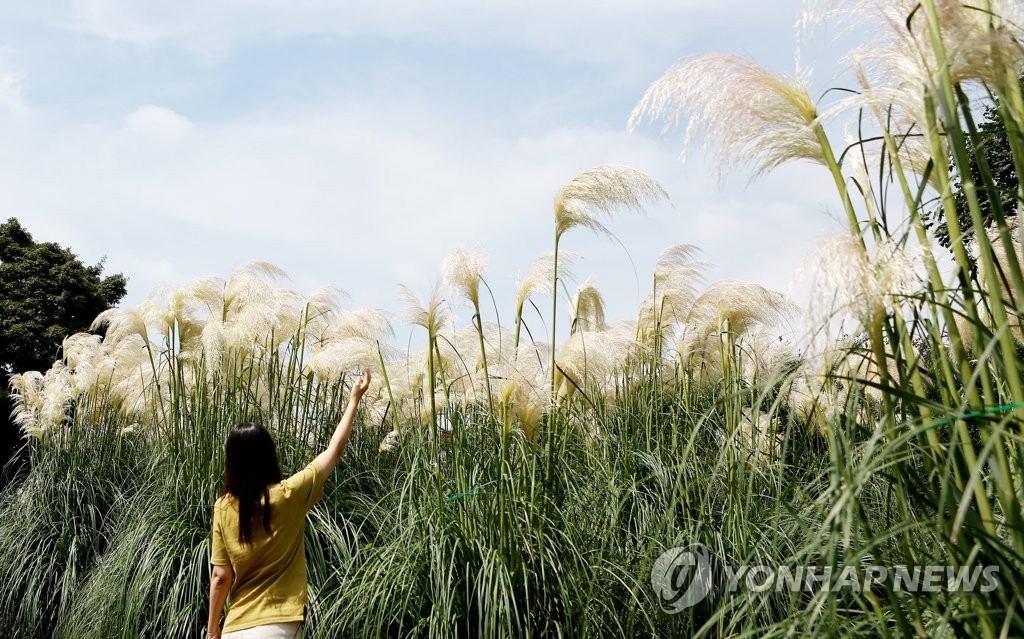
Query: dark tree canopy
x=46 y=293
x=992 y=143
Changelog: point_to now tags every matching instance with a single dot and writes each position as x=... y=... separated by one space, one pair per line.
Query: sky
x=355 y=144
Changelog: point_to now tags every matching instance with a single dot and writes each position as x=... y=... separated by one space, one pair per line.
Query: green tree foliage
x=991 y=142
x=46 y=293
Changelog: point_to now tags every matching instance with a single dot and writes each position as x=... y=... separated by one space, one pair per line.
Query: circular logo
x=681 y=577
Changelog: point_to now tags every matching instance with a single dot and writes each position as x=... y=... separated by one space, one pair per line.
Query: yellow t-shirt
x=270 y=575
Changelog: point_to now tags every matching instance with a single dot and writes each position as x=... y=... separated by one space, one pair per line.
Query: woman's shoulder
x=224 y=501
x=305 y=483
x=310 y=470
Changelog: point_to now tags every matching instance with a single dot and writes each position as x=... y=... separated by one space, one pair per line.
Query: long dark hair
x=250 y=469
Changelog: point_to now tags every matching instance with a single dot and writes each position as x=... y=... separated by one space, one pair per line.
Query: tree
x=46 y=293
x=992 y=143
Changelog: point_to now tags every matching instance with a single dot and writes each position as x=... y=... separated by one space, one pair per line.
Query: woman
x=257 y=551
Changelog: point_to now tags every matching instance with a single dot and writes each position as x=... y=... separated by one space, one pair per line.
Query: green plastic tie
x=997 y=409
x=472 y=491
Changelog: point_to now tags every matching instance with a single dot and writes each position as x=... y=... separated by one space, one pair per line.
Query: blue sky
x=355 y=143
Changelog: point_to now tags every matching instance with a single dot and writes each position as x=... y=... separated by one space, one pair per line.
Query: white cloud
x=143 y=269
x=12 y=98
x=365 y=196
x=157 y=120
x=580 y=29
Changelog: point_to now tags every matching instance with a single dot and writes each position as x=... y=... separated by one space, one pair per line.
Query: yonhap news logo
x=681 y=578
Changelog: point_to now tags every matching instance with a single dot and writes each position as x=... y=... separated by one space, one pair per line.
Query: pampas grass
x=587 y=308
x=600 y=192
x=743 y=115
x=540 y=277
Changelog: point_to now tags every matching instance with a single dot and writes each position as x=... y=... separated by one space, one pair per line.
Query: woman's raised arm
x=328 y=459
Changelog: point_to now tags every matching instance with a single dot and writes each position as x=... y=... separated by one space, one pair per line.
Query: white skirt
x=290 y=630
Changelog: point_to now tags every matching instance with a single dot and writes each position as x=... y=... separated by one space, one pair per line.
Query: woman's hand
x=360 y=385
